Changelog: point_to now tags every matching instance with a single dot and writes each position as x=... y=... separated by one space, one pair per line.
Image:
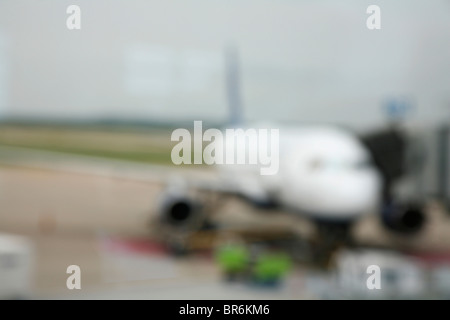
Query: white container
x=15 y=267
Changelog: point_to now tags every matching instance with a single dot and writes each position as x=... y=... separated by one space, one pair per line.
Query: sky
x=300 y=60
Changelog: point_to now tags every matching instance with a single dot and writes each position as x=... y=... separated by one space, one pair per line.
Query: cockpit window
x=318 y=164
x=363 y=164
x=315 y=164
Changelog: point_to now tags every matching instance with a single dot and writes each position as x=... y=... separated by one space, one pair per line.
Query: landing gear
x=330 y=237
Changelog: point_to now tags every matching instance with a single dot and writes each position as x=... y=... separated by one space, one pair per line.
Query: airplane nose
x=358 y=190
x=340 y=194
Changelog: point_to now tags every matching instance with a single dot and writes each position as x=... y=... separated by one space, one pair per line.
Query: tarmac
x=97 y=215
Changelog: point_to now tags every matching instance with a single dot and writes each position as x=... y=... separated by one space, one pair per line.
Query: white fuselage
x=324 y=172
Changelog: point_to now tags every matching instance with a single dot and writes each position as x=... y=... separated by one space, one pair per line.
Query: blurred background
x=86 y=118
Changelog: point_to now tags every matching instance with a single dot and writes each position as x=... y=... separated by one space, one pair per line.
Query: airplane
x=326 y=173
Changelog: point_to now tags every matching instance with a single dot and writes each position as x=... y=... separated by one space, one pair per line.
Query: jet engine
x=406 y=218
x=180 y=212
